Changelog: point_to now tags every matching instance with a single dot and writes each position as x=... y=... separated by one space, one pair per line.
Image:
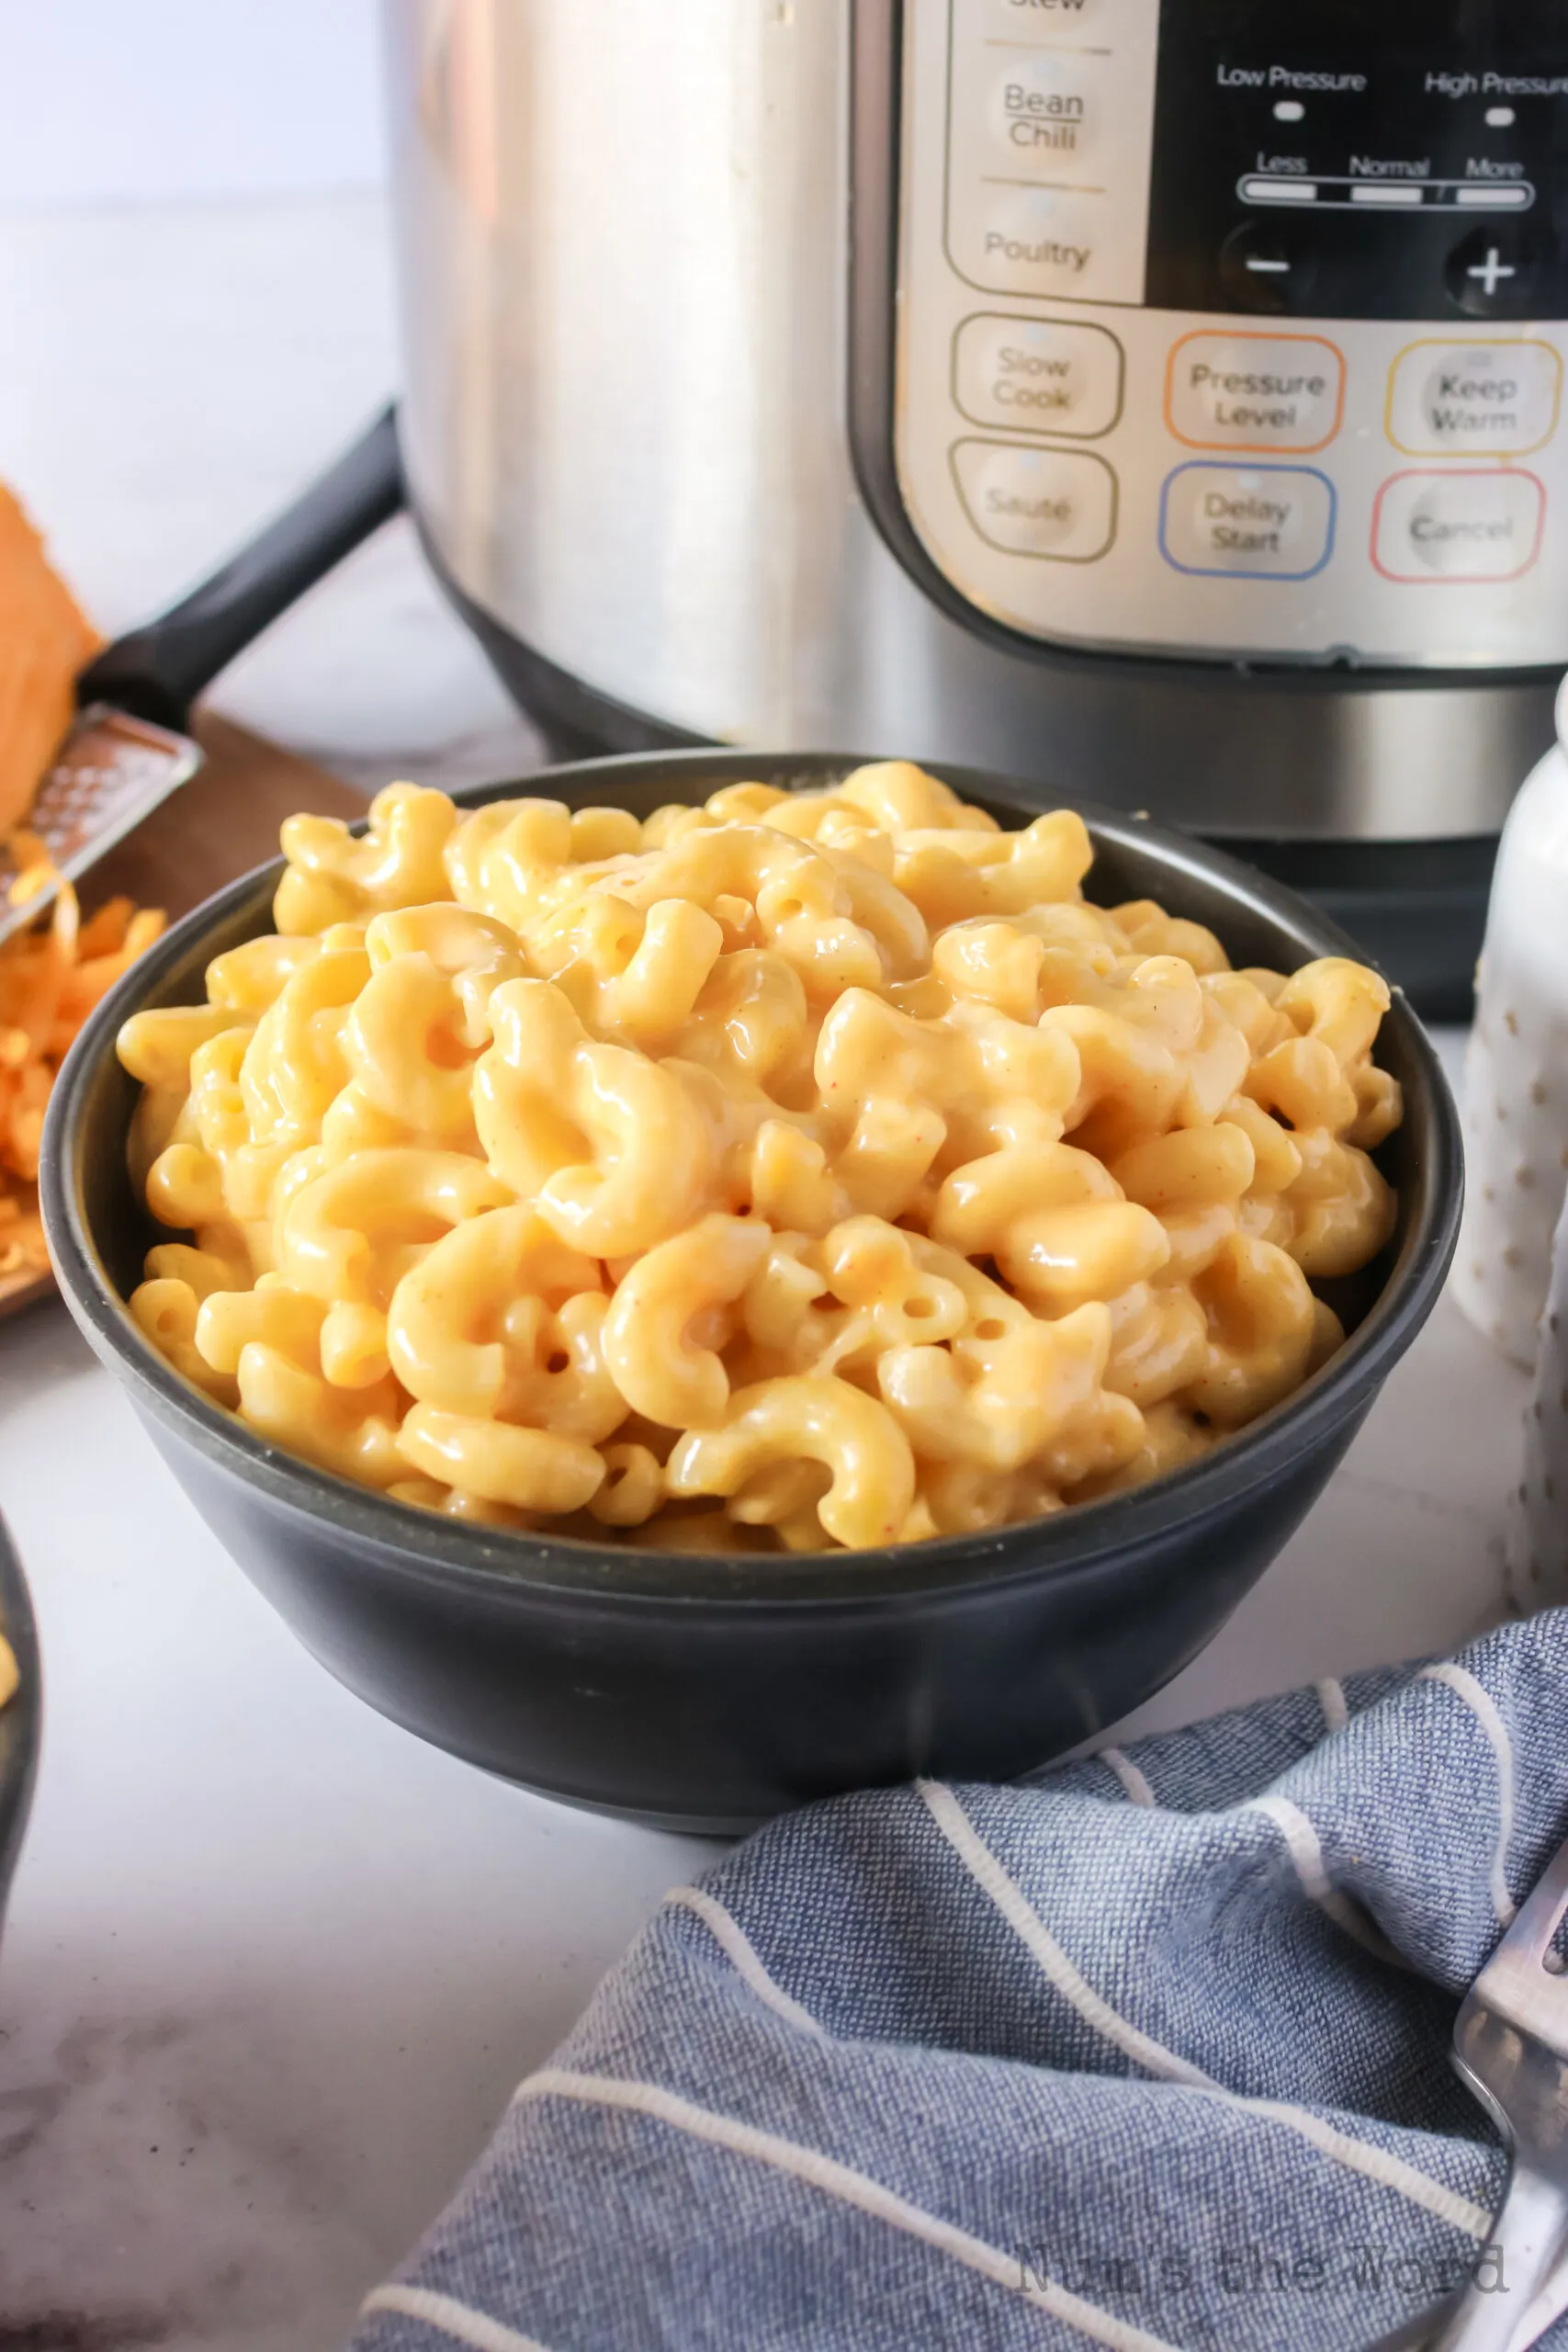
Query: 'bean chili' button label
x=1045 y=113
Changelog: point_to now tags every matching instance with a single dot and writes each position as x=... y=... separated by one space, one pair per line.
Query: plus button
x=1492 y=271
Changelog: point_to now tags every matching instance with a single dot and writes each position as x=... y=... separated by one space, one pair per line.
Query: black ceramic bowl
x=21 y=1719
x=709 y=1692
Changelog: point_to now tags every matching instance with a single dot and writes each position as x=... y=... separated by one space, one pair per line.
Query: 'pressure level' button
x=1480 y=522
x=1247 y=521
x=1038 y=375
x=1059 y=504
x=1254 y=391
x=1462 y=399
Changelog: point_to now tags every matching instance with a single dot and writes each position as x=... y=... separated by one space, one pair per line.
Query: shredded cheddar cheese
x=49 y=980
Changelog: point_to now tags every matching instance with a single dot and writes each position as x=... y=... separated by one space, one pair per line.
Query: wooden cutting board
x=224 y=822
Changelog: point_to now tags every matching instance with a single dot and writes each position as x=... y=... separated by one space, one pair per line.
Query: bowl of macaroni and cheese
x=705 y=1281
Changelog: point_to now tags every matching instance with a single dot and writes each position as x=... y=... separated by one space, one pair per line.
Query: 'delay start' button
x=1463 y=398
x=1247 y=521
x=1059 y=504
x=1037 y=375
x=1254 y=391
x=1465 y=526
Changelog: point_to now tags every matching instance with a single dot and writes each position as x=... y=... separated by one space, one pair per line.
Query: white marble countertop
x=272 y=1967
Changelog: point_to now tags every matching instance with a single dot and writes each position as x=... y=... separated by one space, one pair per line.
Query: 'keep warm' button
x=1471 y=524
x=1247 y=521
x=1462 y=398
x=1056 y=502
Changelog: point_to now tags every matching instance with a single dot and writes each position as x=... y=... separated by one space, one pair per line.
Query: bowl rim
x=419 y=1543
x=21 y=1719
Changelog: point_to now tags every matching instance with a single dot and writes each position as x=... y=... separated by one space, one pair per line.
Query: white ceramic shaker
x=1536 y=1545
x=1516 y=1113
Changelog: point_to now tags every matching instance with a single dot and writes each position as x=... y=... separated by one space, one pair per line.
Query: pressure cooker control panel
x=1226 y=329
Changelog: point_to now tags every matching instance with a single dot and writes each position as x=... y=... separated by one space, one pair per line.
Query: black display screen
x=1392 y=159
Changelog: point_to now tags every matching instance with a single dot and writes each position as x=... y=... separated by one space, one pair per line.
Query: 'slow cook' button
x=1462 y=399
x=1479 y=522
x=1059 y=504
x=1247 y=521
x=1038 y=375
x=1254 y=391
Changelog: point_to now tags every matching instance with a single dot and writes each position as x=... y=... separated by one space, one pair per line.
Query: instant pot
x=1158 y=400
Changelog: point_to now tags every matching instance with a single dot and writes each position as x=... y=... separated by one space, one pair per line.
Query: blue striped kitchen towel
x=1152 y=2053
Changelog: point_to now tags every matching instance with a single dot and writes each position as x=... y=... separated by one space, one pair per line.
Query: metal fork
x=1511 y=2050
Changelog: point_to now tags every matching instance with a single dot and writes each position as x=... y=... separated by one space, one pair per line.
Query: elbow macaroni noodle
x=801 y=1169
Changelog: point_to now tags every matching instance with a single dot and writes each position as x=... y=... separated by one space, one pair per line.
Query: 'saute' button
x=1461 y=526
x=1057 y=503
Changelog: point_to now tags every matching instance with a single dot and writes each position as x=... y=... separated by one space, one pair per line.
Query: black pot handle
x=156 y=672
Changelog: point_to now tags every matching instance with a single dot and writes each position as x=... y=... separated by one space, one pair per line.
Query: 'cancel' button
x=1247 y=521
x=1464 y=524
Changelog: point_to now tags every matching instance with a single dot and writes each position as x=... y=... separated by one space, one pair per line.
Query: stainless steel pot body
x=638 y=253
